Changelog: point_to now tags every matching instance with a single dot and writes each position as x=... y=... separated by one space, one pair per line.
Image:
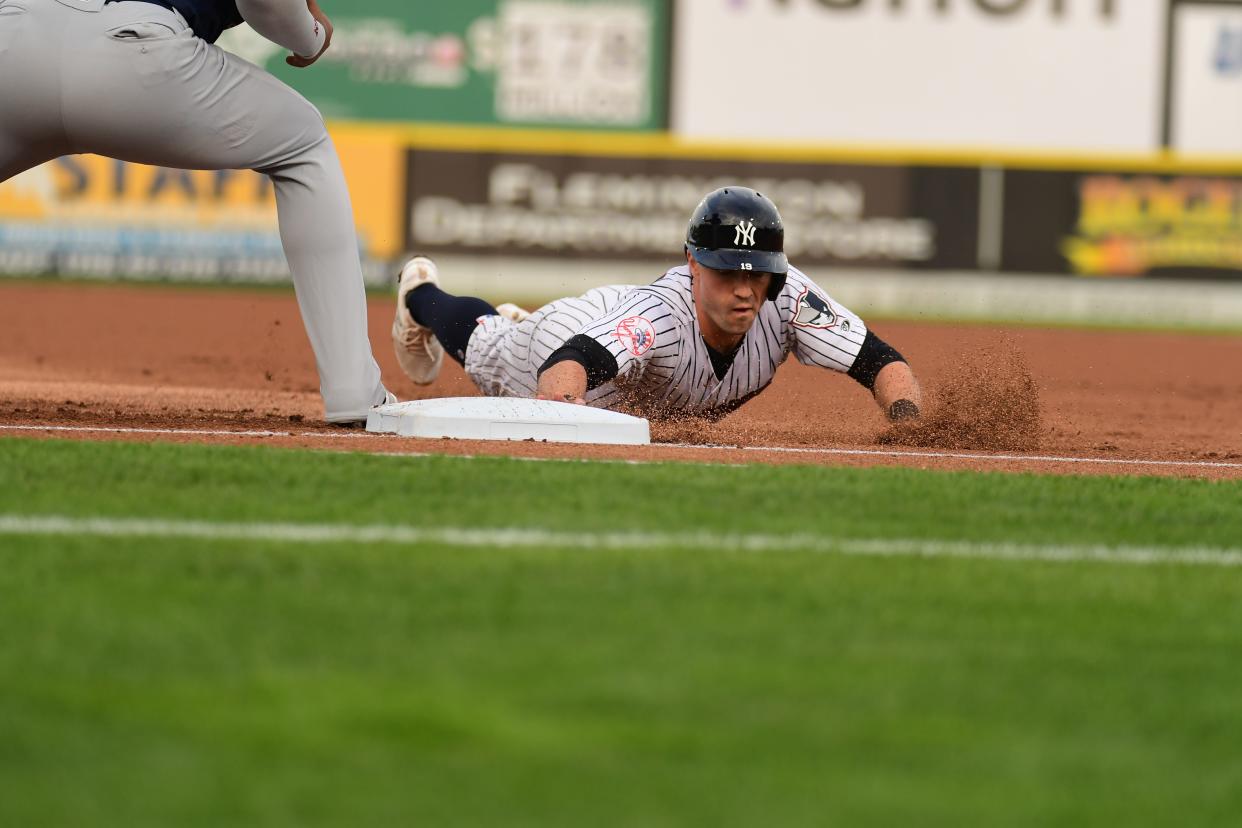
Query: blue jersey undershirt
x=208 y=18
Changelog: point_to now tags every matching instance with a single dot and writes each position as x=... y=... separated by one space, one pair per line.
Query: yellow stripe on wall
x=666 y=145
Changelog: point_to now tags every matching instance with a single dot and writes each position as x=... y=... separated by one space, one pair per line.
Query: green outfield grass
x=174 y=680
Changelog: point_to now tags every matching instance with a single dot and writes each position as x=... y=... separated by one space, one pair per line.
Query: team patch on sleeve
x=813 y=311
x=636 y=333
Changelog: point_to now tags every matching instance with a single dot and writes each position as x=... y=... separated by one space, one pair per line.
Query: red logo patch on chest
x=636 y=333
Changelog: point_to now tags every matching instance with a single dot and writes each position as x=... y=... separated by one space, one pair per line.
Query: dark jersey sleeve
x=620 y=343
x=874 y=354
x=598 y=361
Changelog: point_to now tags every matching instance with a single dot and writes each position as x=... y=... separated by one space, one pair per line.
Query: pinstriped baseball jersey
x=664 y=366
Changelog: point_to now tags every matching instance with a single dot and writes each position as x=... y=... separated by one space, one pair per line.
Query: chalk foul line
x=704 y=541
x=189 y=432
x=962 y=455
x=841 y=452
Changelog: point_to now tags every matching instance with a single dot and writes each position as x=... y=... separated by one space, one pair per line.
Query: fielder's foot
x=512 y=312
x=361 y=422
x=418 y=351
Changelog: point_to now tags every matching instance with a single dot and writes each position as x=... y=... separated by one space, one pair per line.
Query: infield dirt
x=219 y=362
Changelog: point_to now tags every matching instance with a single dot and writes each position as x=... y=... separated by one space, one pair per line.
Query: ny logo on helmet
x=745 y=234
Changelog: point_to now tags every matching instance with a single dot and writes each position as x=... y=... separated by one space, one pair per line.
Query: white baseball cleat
x=512 y=312
x=418 y=351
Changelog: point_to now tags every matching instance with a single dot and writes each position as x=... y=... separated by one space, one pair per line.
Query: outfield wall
x=958 y=142
x=84 y=216
x=510 y=196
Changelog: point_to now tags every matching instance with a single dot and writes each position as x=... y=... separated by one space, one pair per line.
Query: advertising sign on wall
x=95 y=216
x=1207 y=79
x=85 y=215
x=1123 y=225
x=578 y=63
x=1002 y=74
x=637 y=208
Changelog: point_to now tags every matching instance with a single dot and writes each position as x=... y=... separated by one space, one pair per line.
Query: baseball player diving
x=141 y=81
x=701 y=340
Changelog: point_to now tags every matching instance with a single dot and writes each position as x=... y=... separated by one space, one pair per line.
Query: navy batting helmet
x=736 y=228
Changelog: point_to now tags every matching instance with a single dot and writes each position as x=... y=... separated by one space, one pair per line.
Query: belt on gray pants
x=165 y=3
x=96 y=5
x=83 y=5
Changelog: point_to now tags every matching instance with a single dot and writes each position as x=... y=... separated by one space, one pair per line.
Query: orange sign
x=90 y=192
x=1130 y=226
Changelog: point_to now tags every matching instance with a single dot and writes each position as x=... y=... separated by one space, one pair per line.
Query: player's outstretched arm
x=563 y=382
x=897 y=391
x=298 y=25
x=882 y=370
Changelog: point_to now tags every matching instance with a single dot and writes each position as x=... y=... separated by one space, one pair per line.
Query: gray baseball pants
x=129 y=80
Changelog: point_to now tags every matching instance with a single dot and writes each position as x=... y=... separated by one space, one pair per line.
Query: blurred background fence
x=1040 y=159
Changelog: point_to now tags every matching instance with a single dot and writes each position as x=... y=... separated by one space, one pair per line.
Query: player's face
x=727 y=301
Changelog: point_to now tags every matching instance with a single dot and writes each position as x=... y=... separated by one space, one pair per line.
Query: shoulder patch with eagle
x=813 y=311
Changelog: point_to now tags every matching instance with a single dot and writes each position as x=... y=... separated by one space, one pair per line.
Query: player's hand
x=566 y=381
x=322 y=19
x=568 y=398
x=902 y=411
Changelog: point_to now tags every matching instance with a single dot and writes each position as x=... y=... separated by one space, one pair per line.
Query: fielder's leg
x=30 y=125
x=15 y=158
x=142 y=88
